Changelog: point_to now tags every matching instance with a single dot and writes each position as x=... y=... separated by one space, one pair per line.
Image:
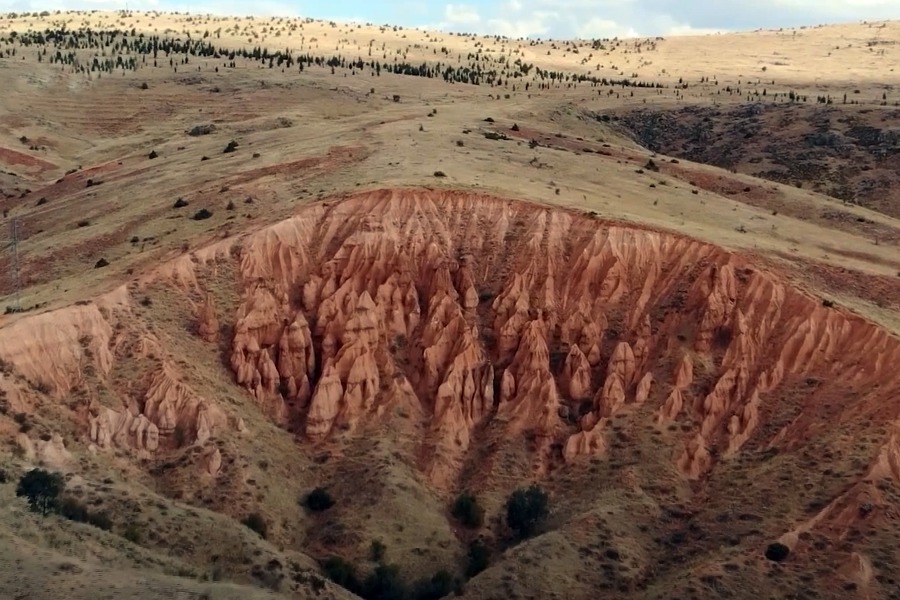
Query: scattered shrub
x=180 y=203
x=101 y=263
x=42 y=489
x=231 y=147
x=100 y=520
x=384 y=584
x=439 y=585
x=467 y=511
x=318 y=500
x=341 y=572
x=201 y=214
x=777 y=552
x=440 y=174
x=377 y=551
x=479 y=557
x=83 y=223
x=132 y=533
x=152 y=154
x=257 y=523
x=526 y=510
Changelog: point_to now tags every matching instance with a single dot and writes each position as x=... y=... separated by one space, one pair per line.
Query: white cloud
x=538 y=23
x=461 y=14
x=597 y=28
x=677 y=30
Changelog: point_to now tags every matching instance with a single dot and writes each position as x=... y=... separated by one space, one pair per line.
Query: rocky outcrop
x=207 y=321
x=684 y=376
x=51 y=453
x=211 y=461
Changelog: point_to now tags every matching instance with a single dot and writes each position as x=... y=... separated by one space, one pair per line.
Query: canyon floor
x=658 y=278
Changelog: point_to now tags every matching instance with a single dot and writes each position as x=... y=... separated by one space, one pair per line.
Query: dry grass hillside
x=261 y=258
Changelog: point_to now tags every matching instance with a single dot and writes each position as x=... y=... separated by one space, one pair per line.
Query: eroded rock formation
x=466 y=312
x=488 y=292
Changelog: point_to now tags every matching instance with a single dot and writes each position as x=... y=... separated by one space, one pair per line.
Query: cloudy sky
x=534 y=18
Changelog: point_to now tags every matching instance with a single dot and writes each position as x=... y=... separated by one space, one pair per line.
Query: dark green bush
x=777 y=552
x=132 y=533
x=257 y=523
x=467 y=511
x=439 y=585
x=318 y=500
x=526 y=510
x=377 y=550
x=342 y=573
x=74 y=510
x=42 y=489
x=384 y=584
x=479 y=556
x=100 y=520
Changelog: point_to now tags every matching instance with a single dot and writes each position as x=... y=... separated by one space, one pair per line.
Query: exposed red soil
x=34 y=164
x=336 y=157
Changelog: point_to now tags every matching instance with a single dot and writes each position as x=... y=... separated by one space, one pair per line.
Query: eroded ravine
x=469 y=308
